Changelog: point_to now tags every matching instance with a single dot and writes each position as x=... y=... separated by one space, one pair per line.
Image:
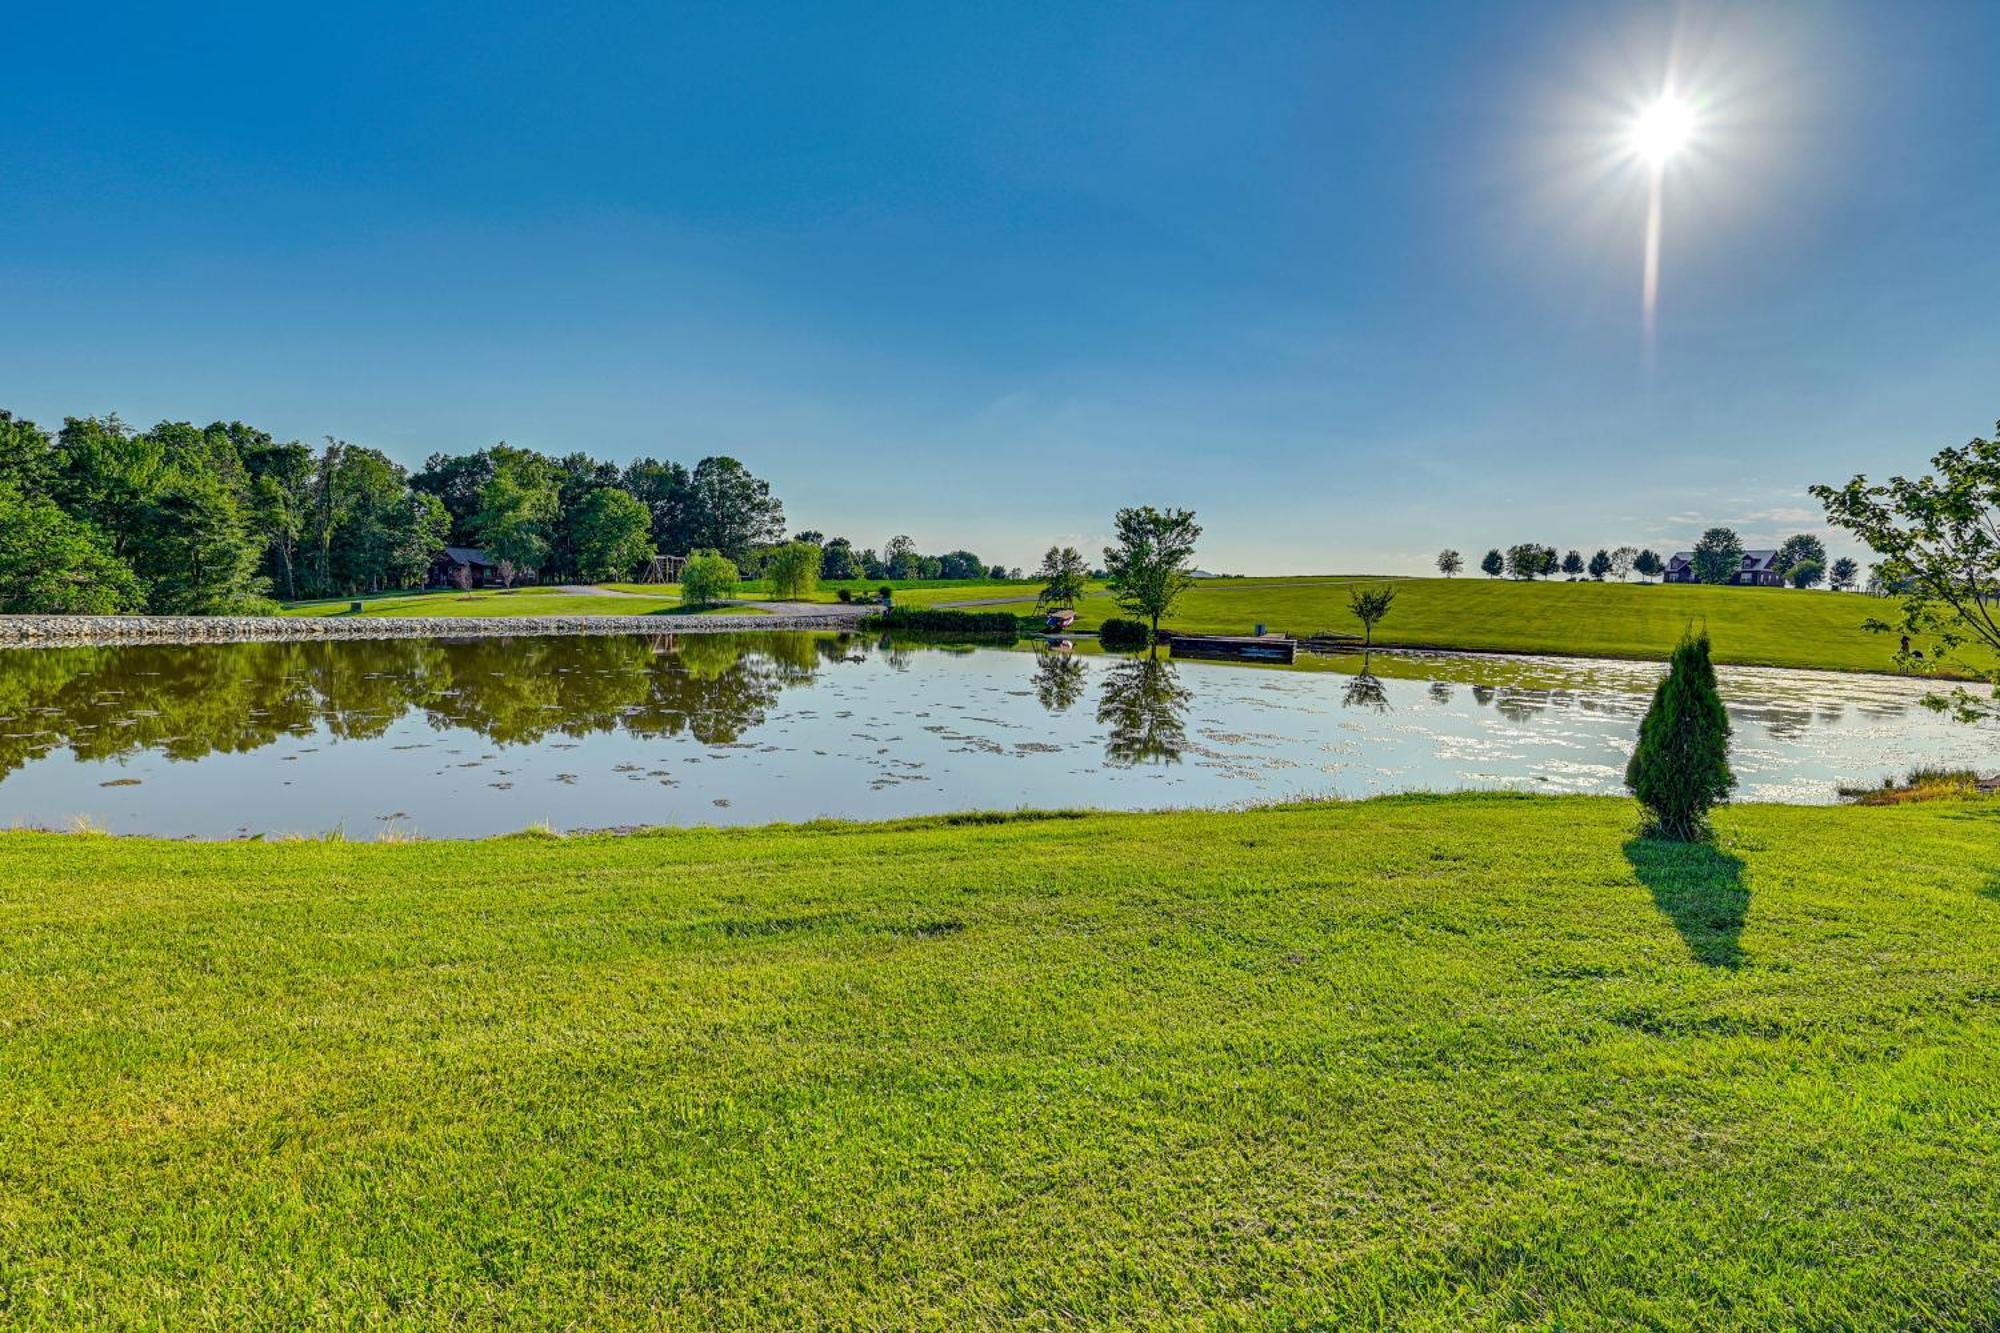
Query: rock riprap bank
x=53 y=630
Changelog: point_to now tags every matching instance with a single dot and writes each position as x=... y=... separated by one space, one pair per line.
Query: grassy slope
x=1413 y=1060
x=1750 y=626
x=658 y=597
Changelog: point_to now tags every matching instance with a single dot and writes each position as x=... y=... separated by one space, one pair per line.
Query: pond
x=446 y=738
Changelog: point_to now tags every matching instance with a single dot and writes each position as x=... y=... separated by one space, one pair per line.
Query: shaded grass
x=1438 y=1062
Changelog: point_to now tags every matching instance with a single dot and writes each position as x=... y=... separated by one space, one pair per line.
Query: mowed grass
x=1441 y=1063
x=494 y=602
x=1749 y=626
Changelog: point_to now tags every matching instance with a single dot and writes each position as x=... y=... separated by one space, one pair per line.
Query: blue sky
x=1353 y=281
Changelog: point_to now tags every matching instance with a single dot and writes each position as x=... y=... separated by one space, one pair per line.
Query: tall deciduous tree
x=1493 y=564
x=1797 y=549
x=1449 y=562
x=1369 y=605
x=1648 y=565
x=1622 y=561
x=1062 y=574
x=1718 y=556
x=1600 y=564
x=1152 y=563
x=55 y=564
x=612 y=534
x=731 y=511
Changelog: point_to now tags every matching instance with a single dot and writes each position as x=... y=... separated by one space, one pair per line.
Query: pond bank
x=70 y=631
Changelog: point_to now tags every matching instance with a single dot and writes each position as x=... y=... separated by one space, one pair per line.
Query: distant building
x=463 y=566
x=1760 y=570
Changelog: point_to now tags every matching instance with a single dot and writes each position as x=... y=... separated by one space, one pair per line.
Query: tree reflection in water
x=104 y=703
x=1058 y=679
x=1142 y=703
x=1365 y=690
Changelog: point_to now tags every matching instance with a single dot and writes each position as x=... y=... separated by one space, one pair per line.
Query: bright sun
x=1662 y=129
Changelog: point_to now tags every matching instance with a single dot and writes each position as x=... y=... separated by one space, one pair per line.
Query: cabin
x=463 y=567
x=1760 y=570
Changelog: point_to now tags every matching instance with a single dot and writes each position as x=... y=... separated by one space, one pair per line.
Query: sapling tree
x=1493 y=564
x=708 y=578
x=1449 y=562
x=1622 y=561
x=1062 y=573
x=1600 y=564
x=1648 y=565
x=1680 y=768
x=1844 y=572
x=1572 y=564
x=1369 y=605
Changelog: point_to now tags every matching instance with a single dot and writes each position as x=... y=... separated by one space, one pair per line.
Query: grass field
x=1750 y=626
x=1411 y=1061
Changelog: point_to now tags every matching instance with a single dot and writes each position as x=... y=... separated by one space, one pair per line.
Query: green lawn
x=1440 y=1063
x=1750 y=626
x=495 y=602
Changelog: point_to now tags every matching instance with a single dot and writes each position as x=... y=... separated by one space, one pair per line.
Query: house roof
x=470 y=555
x=1754 y=562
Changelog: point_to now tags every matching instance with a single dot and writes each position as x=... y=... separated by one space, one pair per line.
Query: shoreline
x=91 y=631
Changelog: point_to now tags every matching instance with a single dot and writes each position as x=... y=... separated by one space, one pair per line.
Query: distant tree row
x=182 y=519
x=899 y=559
x=1532 y=560
x=1717 y=558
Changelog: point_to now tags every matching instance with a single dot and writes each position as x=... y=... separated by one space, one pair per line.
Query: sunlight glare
x=1662 y=129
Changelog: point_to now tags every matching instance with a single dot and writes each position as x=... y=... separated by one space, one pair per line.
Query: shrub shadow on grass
x=1701 y=890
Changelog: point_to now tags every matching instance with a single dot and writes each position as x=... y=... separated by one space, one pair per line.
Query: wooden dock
x=1234 y=647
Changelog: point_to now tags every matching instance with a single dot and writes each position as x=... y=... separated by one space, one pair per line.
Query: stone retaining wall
x=32 y=631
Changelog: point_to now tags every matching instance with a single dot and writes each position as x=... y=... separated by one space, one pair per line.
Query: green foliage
x=1797 y=550
x=1150 y=566
x=710 y=577
x=1531 y=560
x=967 y=624
x=1680 y=768
x=518 y=505
x=731 y=511
x=900 y=559
x=1572 y=564
x=1117 y=632
x=1063 y=575
x=54 y=564
x=1805 y=574
x=793 y=570
x=839 y=561
x=1844 y=573
x=1493 y=564
x=1600 y=564
x=1369 y=606
x=1648 y=564
x=1939 y=539
x=1449 y=562
x=613 y=534
x=1718 y=556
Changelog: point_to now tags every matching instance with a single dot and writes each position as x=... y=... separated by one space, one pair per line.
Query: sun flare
x=1662 y=129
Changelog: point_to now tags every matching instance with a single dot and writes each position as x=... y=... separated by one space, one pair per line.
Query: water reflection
x=487 y=735
x=1364 y=689
x=1143 y=705
x=103 y=703
x=1059 y=679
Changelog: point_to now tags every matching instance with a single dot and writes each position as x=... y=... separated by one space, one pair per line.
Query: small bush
x=845 y=594
x=1681 y=766
x=965 y=624
x=709 y=578
x=1119 y=633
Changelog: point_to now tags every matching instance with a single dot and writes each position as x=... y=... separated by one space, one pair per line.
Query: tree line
x=1717 y=558
x=100 y=518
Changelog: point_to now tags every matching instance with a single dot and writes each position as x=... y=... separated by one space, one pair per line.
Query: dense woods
x=181 y=519
x=99 y=518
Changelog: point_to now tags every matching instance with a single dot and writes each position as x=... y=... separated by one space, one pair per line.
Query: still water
x=460 y=738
